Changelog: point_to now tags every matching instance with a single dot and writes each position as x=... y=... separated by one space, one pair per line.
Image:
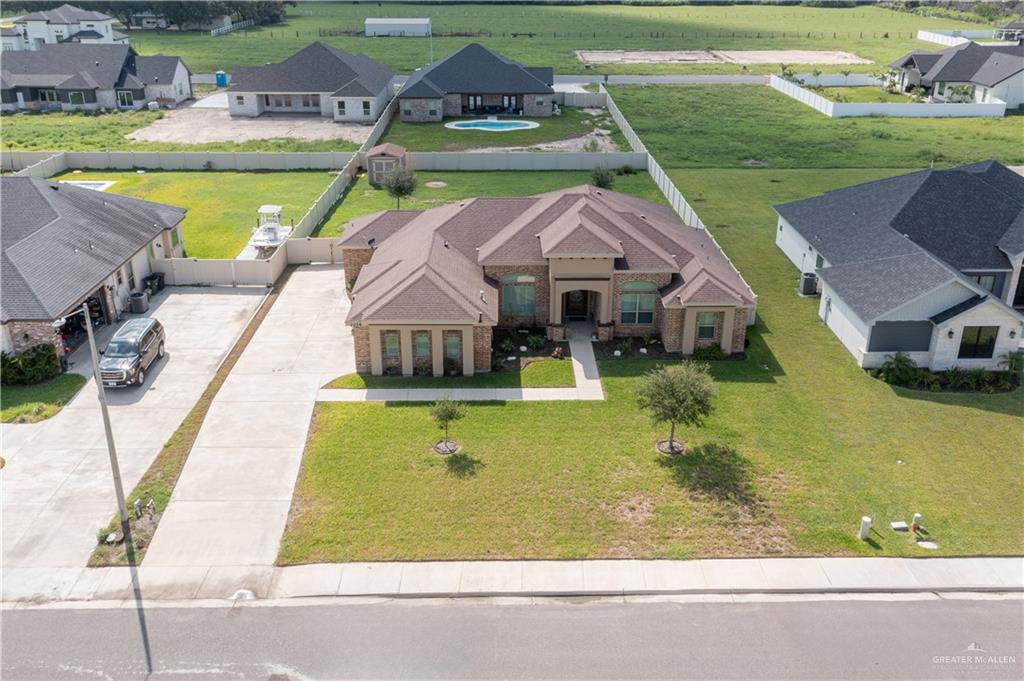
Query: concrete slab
x=968 y=573
x=88 y=583
x=612 y=576
x=868 y=573
x=62 y=535
x=306 y=580
x=279 y=387
x=225 y=581
x=672 y=575
x=370 y=578
x=430 y=578
x=732 y=574
x=491 y=577
x=552 y=576
x=266 y=473
x=38 y=584
x=1009 y=570
x=793 y=573
x=208 y=533
x=154 y=583
x=255 y=424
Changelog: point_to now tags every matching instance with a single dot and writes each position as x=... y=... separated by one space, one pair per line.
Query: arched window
x=517 y=294
x=638 y=298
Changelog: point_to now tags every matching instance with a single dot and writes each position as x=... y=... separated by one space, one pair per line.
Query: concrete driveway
x=231 y=502
x=56 y=487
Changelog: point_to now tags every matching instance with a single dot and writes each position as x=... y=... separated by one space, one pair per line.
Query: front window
x=433 y=110
x=406 y=109
x=510 y=101
x=518 y=292
x=453 y=345
x=422 y=344
x=125 y=98
x=239 y=99
x=366 y=107
x=50 y=96
x=391 y=344
x=476 y=102
x=76 y=98
x=706 y=323
x=638 y=302
x=341 y=108
x=539 y=101
x=978 y=342
x=986 y=281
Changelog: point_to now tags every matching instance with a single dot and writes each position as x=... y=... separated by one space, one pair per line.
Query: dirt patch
x=435 y=184
x=718 y=57
x=597 y=140
x=193 y=125
x=636 y=510
x=445 y=448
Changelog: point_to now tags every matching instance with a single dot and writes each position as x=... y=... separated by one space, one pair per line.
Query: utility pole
x=115 y=469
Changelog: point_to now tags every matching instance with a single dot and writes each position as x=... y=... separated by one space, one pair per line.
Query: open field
x=573 y=123
x=803 y=443
x=601 y=58
x=221 y=205
x=558 y=30
x=544 y=373
x=362 y=198
x=31 y=403
x=694 y=126
x=107 y=132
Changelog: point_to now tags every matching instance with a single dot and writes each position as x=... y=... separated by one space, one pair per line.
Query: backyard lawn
x=718 y=126
x=572 y=123
x=556 y=31
x=803 y=443
x=106 y=132
x=221 y=205
x=547 y=373
x=31 y=403
x=362 y=198
x=869 y=94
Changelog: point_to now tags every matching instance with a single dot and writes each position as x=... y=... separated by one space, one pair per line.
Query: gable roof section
x=475 y=69
x=60 y=241
x=65 y=14
x=155 y=69
x=316 y=68
x=958 y=309
x=968 y=62
x=70 y=65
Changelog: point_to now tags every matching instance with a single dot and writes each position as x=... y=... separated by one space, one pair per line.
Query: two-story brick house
x=428 y=287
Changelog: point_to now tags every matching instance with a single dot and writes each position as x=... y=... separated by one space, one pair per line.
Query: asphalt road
x=904 y=639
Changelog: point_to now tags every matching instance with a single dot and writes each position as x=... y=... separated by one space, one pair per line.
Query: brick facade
x=556 y=332
x=618 y=279
x=537 y=105
x=739 y=330
x=542 y=294
x=456 y=104
x=361 y=339
x=671 y=328
x=28 y=334
x=482 y=348
x=353 y=260
x=419 y=110
x=451 y=105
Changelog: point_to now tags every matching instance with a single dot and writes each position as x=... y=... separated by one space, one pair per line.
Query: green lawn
x=362 y=198
x=802 y=445
x=874 y=33
x=733 y=126
x=870 y=94
x=106 y=132
x=435 y=137
x=547 y=373
x=221 y=205
x=31 y=403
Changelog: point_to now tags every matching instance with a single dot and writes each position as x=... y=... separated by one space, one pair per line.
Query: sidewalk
x=523 y=578
x=584 y=369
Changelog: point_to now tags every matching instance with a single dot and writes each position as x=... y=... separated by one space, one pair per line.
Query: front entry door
x=576 y=305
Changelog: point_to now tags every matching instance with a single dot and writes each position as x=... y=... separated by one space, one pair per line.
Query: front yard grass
x=362 y=198
x=543 y=373
x=436 y=137
x=221 y=204
x=32 y=403
x=56 y=131
x=803 y=444
x=716 y=126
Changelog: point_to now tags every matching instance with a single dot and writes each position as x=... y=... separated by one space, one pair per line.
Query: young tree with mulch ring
x=444 y=412
x=400 y=183
x=677 y=394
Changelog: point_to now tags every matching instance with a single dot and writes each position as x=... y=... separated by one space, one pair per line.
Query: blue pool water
x=494 y=126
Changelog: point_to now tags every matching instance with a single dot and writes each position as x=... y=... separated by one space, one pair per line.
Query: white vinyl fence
x=582 y=100
x=235 y=26
x=41 y=164
x=996 y=109
x=950 y=38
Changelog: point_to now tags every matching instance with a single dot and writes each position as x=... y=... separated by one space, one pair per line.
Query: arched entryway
x=580 y=305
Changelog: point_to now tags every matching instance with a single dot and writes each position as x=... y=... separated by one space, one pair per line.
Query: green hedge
x=35 y=365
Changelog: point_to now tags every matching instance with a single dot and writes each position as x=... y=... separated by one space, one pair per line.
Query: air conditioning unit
x=809 y=284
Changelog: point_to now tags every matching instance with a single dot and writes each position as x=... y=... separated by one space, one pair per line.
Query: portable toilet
x=382 y=159
x=222 y=79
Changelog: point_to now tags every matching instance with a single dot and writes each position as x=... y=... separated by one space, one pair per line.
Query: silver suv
x=130 y=353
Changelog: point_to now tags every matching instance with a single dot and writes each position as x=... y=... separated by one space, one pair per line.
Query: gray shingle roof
x=9 y=31
x=65 y=14
x=59 y=242
x=958 y=309
x=157 y=68
x=316 y=68
x=474 y=69
x=85 y=66
x=984 y=65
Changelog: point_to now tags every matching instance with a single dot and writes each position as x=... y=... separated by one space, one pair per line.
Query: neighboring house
x=148 y=19
x=990 y=72
x=73 y=77
x=10 y=39
x=66 y=23
x=927 y=263
x=317 y=79
x=397 y=28
x=476 y=81
x=428 y=287
x=1011 y=31
x=64 y=246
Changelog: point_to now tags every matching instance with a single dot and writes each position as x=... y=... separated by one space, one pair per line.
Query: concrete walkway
x=526 y=578
x=231 y=503
x=584 y=368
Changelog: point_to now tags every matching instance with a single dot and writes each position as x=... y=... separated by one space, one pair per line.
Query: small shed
x=397 y=27
x=382 y=159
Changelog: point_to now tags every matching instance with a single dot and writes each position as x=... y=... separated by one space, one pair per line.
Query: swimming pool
x=491 y=125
